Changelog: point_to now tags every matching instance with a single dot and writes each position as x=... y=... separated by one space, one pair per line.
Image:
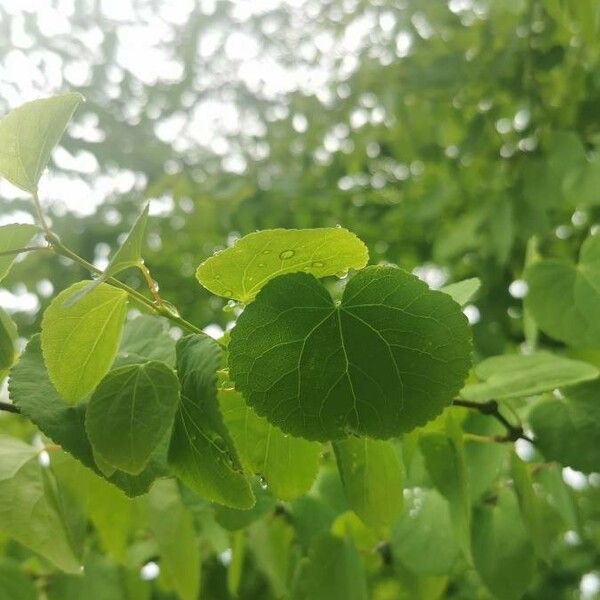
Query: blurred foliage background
x=453 y=137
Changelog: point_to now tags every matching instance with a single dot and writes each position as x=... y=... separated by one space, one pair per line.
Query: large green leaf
x=28 y=135
x=79 y=342
x=423 y=539
x=241 y=271
x=372 y=476
x=130 y=412
x=517 y=375
x=8 y=338
x=28 y=512
x=146 y=338
x=287 y=464
x=386 y=359
x=502 y=552
x=567 y=429
x=178 y=545
x=31 y=390
x=13 y=237
x=335 y=571
x=564 y=298
x=202 y=453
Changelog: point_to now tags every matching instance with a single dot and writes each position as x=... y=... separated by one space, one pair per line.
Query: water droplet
x=286 y=254
x=263 y=483
x=217 y=277
x=230 y=306
x=227 y=292
x=266 y=252
x=318 y=264
x=342 y=274
x=306 y=269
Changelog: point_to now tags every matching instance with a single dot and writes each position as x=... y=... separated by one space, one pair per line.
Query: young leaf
x=462 y=291
x=564 y=298
x=567 y=429
x=27 y=513
x=388 y=358
x=80 y=342
x=13 y=237
x=502 y=552
x=241 y=271
x=518 y=375
x=423 y=539
x=130 y=412
x=445 y=462
x=28 y=135
x=8 y=338
x=128 y=255
x=372 y=476
x=173 y=528
x=335 y=570
x=202 y=453
x=31 y=390
x=286 y=463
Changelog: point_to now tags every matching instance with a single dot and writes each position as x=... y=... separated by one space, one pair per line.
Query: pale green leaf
x=80 y=342
x=372 y=477
x=564 y=298
x=173 y=528
x=241 y=271
x=424 y=539
x=502 y=552
x=335 y=570
x=567 y=429
x=31 y=390
x=27 y=511
x=202 y=453
x=13 y=237
x=130 y=412
x=287 y=464
x=28 y=135
x=519 y=375
x=388 y=358
x=462 y=291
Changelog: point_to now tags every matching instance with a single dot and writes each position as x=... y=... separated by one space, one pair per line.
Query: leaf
x=146 y=338
x=173 y=527
x=286 y=463
x=202 y=453
x=8 y=338
x=462 y=291
x=530 y=506
x=445 y=462
x=423 y=539
x=372 y=478
x=31 y=390
x=388 y=358
x=519 y=375
x=130 y=412
x=80 y=342
x=27 y=513
x=502 y=552
x=564 y=298
x=567 y=429
x=241 y=271
x=28 y=135
x=15 y=583
x=335 y=570
x=128 y=255
x=13 y=237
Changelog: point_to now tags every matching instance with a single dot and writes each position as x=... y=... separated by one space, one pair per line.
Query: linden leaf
x=79 y=342
x=13 y=237
x=385 y=360
x=28 y=135
x=241 y=271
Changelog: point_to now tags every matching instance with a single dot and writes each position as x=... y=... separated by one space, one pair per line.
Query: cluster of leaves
x=329 y=433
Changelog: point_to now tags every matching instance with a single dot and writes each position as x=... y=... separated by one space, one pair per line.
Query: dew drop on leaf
x=286 y=254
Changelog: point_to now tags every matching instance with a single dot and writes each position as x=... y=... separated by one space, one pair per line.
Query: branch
x=491 y=407
x=8 y=407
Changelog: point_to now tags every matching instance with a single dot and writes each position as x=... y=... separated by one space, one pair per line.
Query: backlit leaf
x=13 y=237
x=388 y=358
x=462 y=291
x=241 y=271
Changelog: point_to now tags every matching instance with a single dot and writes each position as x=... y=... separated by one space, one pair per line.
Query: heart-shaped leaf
x=386 y=359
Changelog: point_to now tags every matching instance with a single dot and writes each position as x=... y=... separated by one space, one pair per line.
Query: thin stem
x=8 y=407
x=22 y=250
x=491 y=407
x=40 y=213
